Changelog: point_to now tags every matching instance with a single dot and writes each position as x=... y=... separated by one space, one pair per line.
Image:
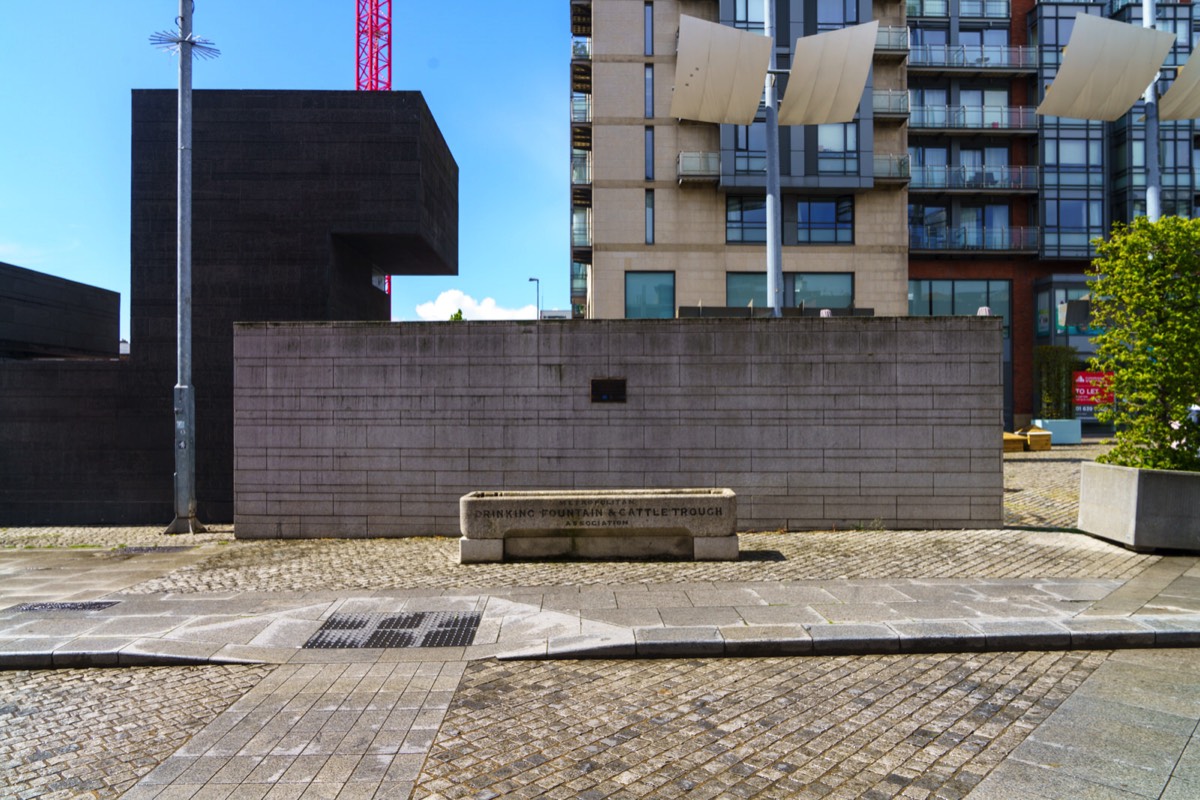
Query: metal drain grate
x=94 y=605
x=413 y=629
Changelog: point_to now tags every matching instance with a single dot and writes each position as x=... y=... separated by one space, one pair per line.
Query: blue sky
x=494 y=72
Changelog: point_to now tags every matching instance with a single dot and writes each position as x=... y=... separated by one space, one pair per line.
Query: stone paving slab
x=874 y=616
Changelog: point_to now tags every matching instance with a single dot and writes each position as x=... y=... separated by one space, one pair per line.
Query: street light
x=537 y=285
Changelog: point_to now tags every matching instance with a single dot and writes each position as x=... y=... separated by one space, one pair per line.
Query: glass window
x=1043 y=313
x=649 y=91
x=649 y=153
x=649 y=216
x=970 y=296
x=821 y=221
x=745 y=219
x=834 y=14
x=748 y=15
x=750 y=148
x=649 y=295
x=648 y=15
x=942 y=298
x=824 y=290
x=810 y=289
x=745 y=288
x=1061 y=298
x=837 y=148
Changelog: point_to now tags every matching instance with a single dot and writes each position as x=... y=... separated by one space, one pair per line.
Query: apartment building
x=947 y=192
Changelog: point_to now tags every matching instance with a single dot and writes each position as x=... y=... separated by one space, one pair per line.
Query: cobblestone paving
x=432 y=563
x=93 y=733
x=1041 y=490
x=865 y=727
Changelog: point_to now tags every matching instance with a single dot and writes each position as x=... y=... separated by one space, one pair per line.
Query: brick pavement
x=94 y=733
x=1041 y=489
x=865 y=727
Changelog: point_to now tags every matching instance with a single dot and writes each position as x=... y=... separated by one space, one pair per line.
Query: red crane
x=375 y=57
x=374 y=45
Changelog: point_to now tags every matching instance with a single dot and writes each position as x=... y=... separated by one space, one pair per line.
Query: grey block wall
x=377 y=429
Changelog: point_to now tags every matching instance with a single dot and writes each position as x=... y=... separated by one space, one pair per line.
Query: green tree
x=1054 y=367
x=456 y=316
x=1146 y=294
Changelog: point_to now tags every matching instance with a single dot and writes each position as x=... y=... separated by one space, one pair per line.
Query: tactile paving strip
x=93 y=605
x=412 y=629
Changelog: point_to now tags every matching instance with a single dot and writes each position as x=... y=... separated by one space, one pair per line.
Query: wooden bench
x=698 y=524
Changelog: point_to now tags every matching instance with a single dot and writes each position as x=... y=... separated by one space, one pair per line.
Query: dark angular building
x=302 y=202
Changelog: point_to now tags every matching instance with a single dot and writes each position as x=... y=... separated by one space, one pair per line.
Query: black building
x=302 y=202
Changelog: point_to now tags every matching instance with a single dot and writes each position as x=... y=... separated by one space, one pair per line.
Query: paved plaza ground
x=1026 y=662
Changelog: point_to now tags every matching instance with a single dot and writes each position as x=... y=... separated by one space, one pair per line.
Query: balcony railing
x=578 y=280
x=982 y=178
x=890 y=103
x=581 y=169
x=943 y=237
x=581 y=233
x=892 y=39
x=698 y=167
x=581 y=47
x=973 y=57
x=973 y=117
x=983 y=9
x=893 y=168
x=928 y=8
x=581 y=108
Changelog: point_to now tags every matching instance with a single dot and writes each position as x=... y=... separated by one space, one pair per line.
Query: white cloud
x=452 y=300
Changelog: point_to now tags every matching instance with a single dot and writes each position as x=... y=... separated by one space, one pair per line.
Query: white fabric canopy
x=720 y=72
x=829 y=72
x=1182 y=100
x=1106 y=67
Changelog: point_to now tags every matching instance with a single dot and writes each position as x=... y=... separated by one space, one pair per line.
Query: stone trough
x=698 y=524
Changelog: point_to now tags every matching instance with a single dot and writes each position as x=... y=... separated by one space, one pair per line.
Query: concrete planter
x=1143 y=509
x=1062 y=431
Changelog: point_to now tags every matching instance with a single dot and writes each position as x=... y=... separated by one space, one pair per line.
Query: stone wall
x=377 y=429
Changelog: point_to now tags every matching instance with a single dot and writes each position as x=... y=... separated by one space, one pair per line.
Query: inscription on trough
x=689 y=523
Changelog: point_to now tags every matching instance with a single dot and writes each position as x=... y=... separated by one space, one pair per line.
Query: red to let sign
x=1093 y=388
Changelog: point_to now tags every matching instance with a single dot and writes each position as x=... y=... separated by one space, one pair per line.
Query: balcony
x=581 y=17
x=581 y=65
x=581 y=108
x=579 y=281
x=942 y=238
x=698 y=167
x=928 y=8
x=971 y=119
x=991 y=59
x=581 y=169
x=891 y=41
x=581 y=228
x=1000 y=179
x=984 y=9
x=890 y=104
x=891 y=169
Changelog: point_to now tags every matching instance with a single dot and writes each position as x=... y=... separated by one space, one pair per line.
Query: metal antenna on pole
x=184 y=43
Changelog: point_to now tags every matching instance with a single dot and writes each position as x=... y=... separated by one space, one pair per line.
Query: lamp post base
x=185 y=525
